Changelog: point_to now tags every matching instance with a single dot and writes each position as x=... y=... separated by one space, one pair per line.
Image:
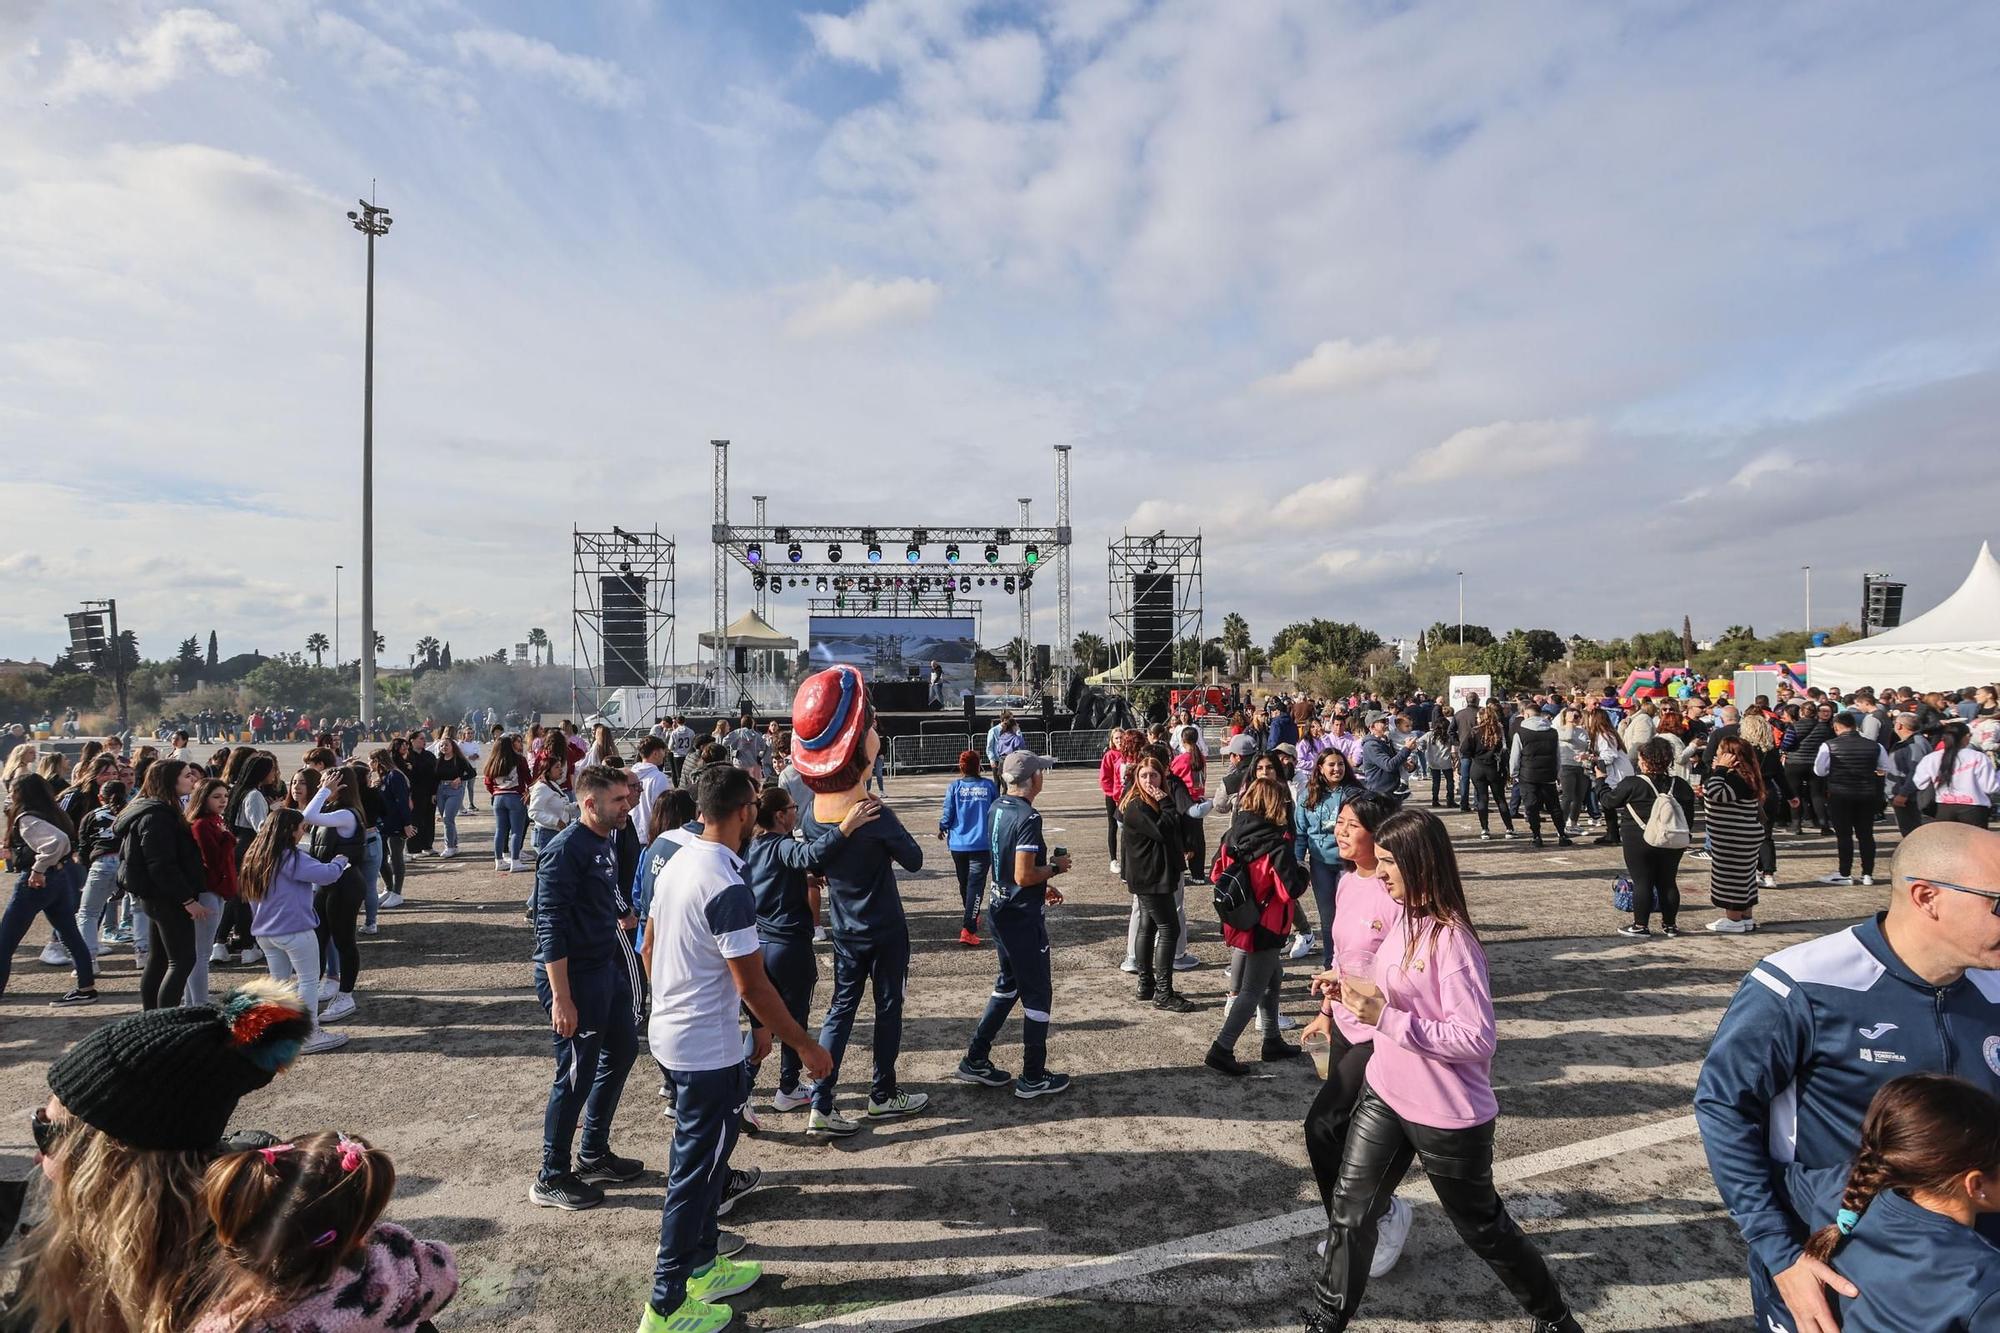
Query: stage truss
x=1160 y=554
x=1009 y=559
x=596 y=556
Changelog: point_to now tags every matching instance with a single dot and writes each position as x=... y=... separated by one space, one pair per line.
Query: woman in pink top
x=1428 y=1090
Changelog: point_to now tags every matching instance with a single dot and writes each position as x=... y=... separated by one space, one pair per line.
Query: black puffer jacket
x=1151 y=855
x=158 y=860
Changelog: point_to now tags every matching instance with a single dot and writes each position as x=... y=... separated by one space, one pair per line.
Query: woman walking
x=507 y=781
x=1258 y=842
x=1734 y=799
x=1654 y=870
x=160 y=865
x=280 y=880
x=1485 y=752
x=965 y=822
x=1329 y=786
x=1151 y=866
x=454 y=770
x=1428 y=1089
x=1573 y=773
x=41 y=843
x=218 y=864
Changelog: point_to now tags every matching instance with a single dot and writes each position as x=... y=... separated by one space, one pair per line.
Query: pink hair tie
x=270 y=1154
x=325 y=1238
x=350 y=1154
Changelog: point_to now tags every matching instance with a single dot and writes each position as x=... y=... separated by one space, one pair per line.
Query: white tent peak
x=1971 y=613
x=1953 y=645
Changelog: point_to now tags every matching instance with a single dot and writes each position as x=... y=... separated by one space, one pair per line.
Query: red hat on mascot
x=830 y=718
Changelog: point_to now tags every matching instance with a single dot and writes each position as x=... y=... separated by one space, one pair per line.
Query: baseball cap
x=1021 y=765
x=1242 y=745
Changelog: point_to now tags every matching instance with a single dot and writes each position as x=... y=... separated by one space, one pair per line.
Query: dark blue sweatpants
x=882 y=965
x=1022 y=940
x=708 y=1116
x=794 y=972
x=590 y=1067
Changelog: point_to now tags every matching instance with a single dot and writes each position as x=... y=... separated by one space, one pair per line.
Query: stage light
x=874 y=553
x=795 y=553
x=992 y=554
x=1152 y=566
x=820 y=585
x=1009 y=585
x=756 y=580
x=1027 y=578
x=1032 y=553
x=777 y=584
x=964 y=583
x=795 y=583
x=913 y=553
x=833 y=553
x=951 y=553
x=754 y=553
x=868 y=535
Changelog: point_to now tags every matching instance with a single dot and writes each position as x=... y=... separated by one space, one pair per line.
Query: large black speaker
x=622 y=601
x=1152 y=626
x=1042 y=661
x=899 y=696
x=87 y=640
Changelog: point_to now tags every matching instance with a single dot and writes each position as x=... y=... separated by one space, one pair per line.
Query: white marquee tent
x=1954 y=644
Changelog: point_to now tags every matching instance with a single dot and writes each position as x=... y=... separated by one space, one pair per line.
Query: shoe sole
x=783 y=1107
x=963 y=1077
x=874 y=1115
x=1030 y=1093
x=722 y=1209
x=724 y=1293
x=606 y=1178
x=827 y=1132
x=72 y=1004
x=542 y=1201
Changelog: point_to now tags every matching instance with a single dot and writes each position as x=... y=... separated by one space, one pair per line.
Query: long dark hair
x=505 y=761
x=277 y=839
x=161 y=778
x=1433 y=893
x=1922 y=1132
x=1951 y=739
x=252 y=774
x=1316 y=788
x=31 y=795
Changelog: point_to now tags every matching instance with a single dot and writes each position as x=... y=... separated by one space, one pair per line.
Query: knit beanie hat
x=169 y=1079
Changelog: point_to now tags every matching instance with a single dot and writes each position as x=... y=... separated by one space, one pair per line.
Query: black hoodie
x=158 y=859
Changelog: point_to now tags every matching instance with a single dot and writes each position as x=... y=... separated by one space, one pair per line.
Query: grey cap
x=1021 y=765
x=1242 y=744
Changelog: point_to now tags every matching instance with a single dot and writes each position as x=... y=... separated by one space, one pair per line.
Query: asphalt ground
x=1154 y=1194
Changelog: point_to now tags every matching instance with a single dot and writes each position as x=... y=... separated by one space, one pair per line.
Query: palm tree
x=381 y=644
x=317 y=644
x=1236 y=638
x=1091 y=653
x=427 y=650
x=538 y=639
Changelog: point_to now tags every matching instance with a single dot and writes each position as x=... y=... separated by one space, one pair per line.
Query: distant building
x=31 y=667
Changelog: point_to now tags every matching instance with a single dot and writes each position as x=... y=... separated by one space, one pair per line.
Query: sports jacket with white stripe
x=1813 y=1031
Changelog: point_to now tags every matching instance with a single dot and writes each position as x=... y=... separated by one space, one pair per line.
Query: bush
x=527 y=690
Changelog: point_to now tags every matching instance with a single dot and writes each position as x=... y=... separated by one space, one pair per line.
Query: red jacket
x=218 y=855
x=1111 y=774
x=1275 y=882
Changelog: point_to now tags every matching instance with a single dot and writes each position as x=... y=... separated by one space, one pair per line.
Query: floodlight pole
x=372 y=221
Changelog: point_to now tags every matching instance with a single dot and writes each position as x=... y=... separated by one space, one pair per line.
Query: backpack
x=1236 y=903
x=1667 y=826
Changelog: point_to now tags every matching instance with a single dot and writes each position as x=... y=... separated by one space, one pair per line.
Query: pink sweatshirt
x=386 y=1286
x=1363 y=914
x=1433 y=1060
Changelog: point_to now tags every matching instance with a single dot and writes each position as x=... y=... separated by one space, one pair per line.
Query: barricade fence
x=938 y=751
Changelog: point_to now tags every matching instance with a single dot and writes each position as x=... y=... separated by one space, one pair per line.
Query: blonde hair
x=127 y=1243
x=20 y=760
x=1757 y=731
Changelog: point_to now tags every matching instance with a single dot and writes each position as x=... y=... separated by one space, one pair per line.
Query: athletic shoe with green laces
x=693 y=1317
x=724 y=1277
x=902 y=1104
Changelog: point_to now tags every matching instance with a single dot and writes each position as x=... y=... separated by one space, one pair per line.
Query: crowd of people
x=679 y=892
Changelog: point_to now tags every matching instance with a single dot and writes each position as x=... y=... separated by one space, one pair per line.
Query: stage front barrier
x=938 y=751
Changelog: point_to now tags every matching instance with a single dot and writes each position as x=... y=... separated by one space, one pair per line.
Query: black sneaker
x=609 y=1169
x=728 y=1243
x=1632 y=932
x=1566 y=1324
x=566 y=1192
x=1671 y=932
x=1173 y=1002
x=80 y=995
x=1277 y=1048
x=1048 y=1085
x=1145 y=993
x=742 y=1181
x=982 y=1072
x=1223 y=1062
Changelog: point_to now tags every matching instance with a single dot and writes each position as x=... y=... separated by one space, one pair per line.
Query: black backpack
x=1235 y=904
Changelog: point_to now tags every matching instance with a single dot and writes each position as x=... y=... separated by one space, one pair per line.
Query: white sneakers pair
x=323 y=1039
x=1722 y=925
x=340 y=1006
x=1390 y=1237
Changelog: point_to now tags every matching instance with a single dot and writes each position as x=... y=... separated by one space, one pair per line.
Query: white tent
x=1954 y=644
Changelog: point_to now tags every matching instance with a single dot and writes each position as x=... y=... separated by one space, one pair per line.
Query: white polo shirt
x=702 y=915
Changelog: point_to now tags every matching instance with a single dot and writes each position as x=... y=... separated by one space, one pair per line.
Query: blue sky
x=1629 y=311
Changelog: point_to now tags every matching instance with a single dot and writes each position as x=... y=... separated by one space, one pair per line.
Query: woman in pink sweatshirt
x=1428 y=1091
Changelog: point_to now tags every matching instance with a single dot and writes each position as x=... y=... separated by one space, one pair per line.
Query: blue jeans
x=510 y=824
x=794 y=972
x=100 y=885
x=590 y=1067
x=371 y=874
x=56 y=900
x=708 y=1106
x=882 y=964
x=1325 y=880
x=1021 y=938
x=448 y=801
x=1464 y=783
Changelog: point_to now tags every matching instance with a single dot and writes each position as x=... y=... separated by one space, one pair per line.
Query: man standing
x=1852 y=768
x=707 y=964
x=680 y=744
x=652 y=784
x=587 y=977
x=1022 y=871
x=1534 y=761
x=1905 y=753
x=1817 y=1028
x=1464 y=727
x=1383 y=762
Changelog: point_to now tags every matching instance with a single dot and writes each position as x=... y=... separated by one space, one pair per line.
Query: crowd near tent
x=1954 y=644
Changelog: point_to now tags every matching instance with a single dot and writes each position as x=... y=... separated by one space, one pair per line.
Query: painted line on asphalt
x=1046 y=1283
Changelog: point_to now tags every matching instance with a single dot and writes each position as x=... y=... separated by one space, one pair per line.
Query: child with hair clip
x=1900 y=1223
x=302 y=1249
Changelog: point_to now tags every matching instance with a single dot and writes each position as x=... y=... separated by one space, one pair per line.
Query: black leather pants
x=1380 y=1147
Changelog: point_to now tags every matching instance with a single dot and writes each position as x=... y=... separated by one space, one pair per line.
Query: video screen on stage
x=897 y=648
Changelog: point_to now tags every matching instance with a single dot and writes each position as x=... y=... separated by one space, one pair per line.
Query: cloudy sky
x=1627 y=310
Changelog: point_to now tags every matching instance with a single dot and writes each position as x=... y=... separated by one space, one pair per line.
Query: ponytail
x=1868 y=1177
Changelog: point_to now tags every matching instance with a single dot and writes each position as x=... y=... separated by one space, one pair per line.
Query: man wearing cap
x=1022 y=871
x=834 y=744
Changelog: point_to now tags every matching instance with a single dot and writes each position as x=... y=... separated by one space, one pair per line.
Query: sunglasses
x=47 y=1133
x=1988 y=894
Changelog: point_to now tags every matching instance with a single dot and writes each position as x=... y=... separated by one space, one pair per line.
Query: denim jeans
x=296 y=957
x=1257 y=990
x=1326 y=885
x=100 y=886
x=882 y=964
x=708 y=1106
x=56 y=900
x=449 y=798
x=371 y=874
x=591 y=1066
x=510 y=824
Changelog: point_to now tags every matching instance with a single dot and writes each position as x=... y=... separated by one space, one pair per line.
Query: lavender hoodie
x=287 y=906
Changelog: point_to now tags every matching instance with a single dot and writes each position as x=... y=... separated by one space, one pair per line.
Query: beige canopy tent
x=752 y=631
x=1954 y=644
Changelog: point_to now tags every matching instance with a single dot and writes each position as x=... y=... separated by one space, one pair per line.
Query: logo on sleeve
x=1875 y=1033
x=1991 y=1050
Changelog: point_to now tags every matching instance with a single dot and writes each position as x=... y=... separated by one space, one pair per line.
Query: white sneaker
x=1836 y=879
x=251 y=957
x=323 y=1039
x=791 y=1101
x=1391 y=1236
x=1867 y=879
x=1767 y=881
x=1302 y=944
x=340 y=1006
x=218 y=954
x=54 y=954
x=1722 y=925
x=390 y=900
x=1129 y=968
x=1286 y=1023
x=903 y=1103
x=820 y=936
x=447 y=853
x=1485 y=837
x=519 y=864
x=500 y=864
x=750 y=1120
x=369 y=928
x=1114 y=867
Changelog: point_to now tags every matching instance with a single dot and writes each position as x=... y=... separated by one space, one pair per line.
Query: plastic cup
x=1320 y=1048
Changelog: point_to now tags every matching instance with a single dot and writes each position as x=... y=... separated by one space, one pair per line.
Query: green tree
x=213 y=656
x=1092 y=656
x=1511 y=665
x=309 y=688
x=381 y=644
x=427 y=650
x=1236 y=640
x=1331 y=641
x=187 y=662
x=1543 y=645
x=1435 y=668
x=1445 y=633
x=445 y=660
x=538 y=640
x=317 y=644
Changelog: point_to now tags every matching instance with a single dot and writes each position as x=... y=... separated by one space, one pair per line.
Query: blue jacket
x=861 y=900
x=1813 y=1032
x=775 y=869
x=396 y=812
x=651 y=862
x=577 y=903
x=1382 y=765
x=1915 y=1268
x=1314 y=824
x=966 y=818
x=1282 y=731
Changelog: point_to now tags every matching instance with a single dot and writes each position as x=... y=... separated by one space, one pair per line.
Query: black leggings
x=1489 y=790
x=1445 y=777
x=1575 y=782
x=393 y=846
x=1159 y=933
x=1654 y=872
x=1196 y=843
x=339 y=906
x=1326 y=1122
x=169 y=956
x=1111 y=826
x=1854 y=821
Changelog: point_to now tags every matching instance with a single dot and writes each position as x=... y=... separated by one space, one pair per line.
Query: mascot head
x=833 y=731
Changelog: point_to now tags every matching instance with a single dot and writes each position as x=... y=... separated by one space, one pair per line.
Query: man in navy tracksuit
x=587 y=977
x=1817 y=1028
x=1022 y=869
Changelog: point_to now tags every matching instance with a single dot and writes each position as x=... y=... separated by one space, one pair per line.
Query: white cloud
x=179 y=42
x=585 y=78
x=1356 y=566
x=374 y=62
x=863 y=303
x=1244 y=518
x=1319 y=503
x=1505 y=449
x=1346 y=364
x=1774 y=463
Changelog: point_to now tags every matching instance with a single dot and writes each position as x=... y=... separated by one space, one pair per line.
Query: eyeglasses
x=46 y=1132
x=1988 y=894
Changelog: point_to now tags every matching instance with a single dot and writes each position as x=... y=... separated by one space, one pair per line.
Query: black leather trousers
x=1380 y=1147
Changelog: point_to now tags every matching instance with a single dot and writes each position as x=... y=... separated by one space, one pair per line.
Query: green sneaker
x=724 y=1277
x=693 y=1317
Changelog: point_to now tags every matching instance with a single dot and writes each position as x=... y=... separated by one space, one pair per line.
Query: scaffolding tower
x=621 y=620
x=1156 y=603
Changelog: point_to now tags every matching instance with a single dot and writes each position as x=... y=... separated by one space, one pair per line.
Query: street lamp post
x=1461 y=608
x=336 y=615
x=1808 y=570
x=371 y=221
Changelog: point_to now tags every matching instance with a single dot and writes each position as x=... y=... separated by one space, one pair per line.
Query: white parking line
x=1044 y=1283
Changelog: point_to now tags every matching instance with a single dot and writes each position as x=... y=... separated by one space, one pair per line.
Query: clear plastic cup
x=1320 y=1048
